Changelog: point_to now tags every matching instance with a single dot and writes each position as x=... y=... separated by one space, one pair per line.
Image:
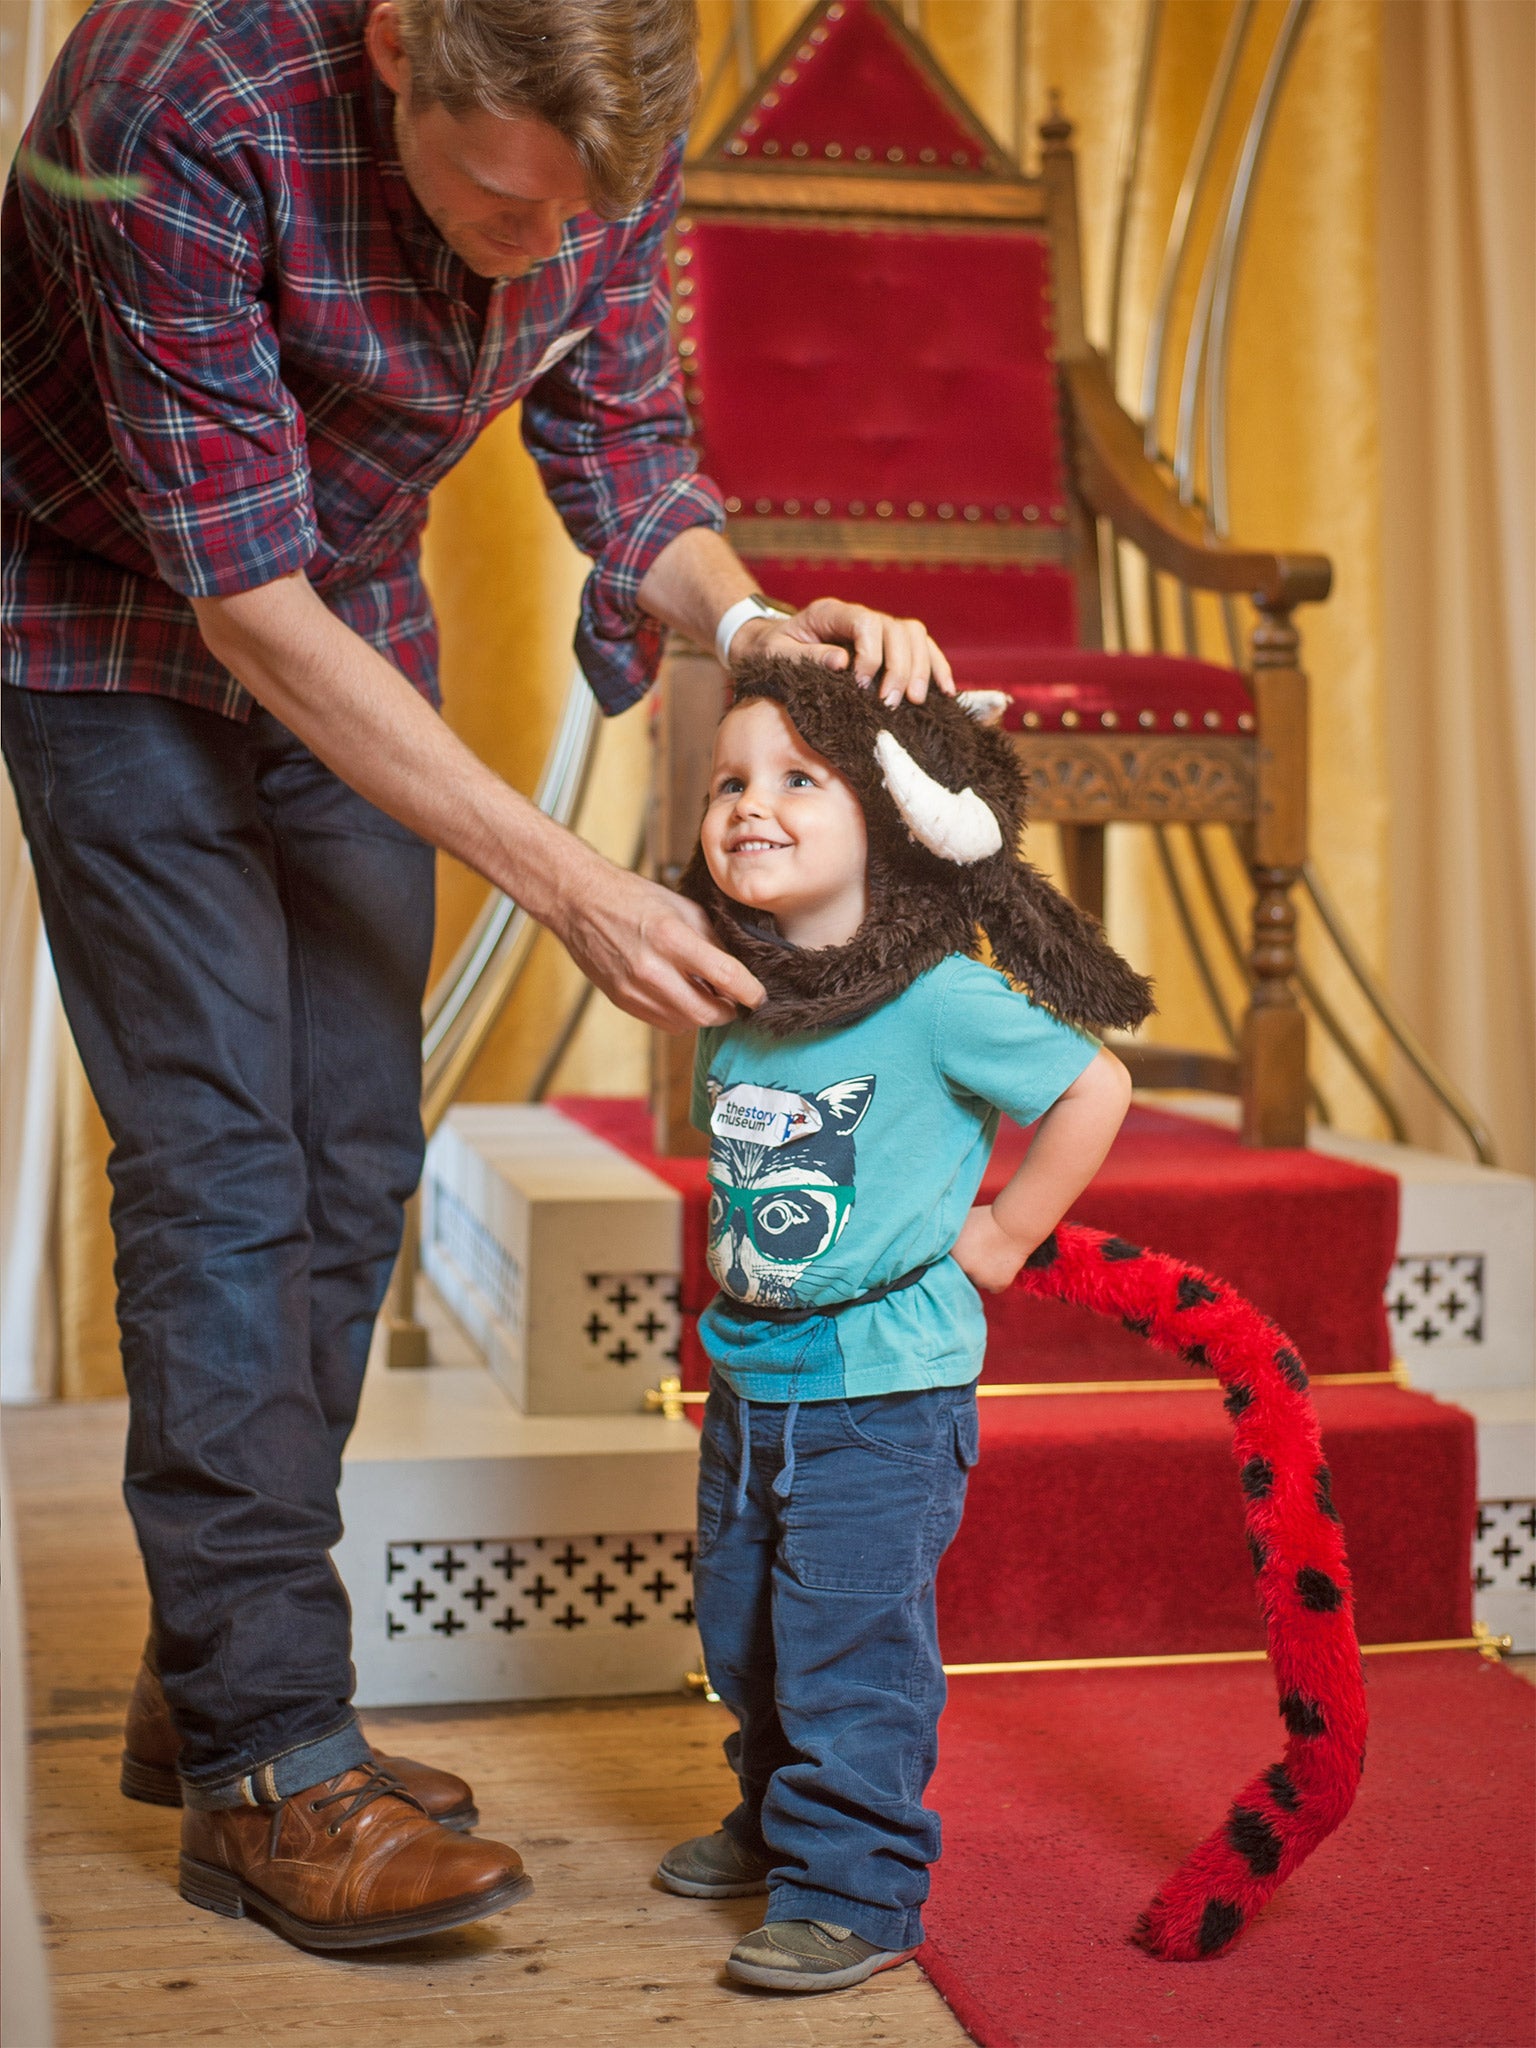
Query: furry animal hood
x=944 y=802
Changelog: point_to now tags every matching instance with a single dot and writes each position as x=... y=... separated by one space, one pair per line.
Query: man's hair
x=616 y=78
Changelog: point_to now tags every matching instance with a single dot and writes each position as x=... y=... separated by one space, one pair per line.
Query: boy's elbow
x=1110 y=1080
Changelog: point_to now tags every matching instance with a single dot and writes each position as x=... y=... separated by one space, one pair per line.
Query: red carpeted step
x=1068 y=1797
x=1111 y=1525
x=1308 y=1239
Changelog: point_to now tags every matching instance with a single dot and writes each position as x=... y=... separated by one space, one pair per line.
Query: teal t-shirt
x=840 y=1160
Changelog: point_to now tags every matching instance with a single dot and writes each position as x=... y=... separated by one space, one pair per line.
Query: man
x=269 y=269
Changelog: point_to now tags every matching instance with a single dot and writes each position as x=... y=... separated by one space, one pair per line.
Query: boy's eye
x=798 y=779
x=730 y=785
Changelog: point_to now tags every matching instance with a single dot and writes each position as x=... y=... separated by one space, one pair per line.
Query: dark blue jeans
x=241 y=944
x=820 y=1531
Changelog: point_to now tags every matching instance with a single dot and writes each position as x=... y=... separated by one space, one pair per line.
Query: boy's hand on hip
x=986 y=1254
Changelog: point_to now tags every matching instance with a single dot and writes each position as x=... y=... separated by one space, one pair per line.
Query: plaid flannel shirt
x=235 y=347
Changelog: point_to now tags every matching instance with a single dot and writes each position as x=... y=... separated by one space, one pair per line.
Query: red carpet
x=1309 y=1240
x=1111 y=1525
x=1068 y=1797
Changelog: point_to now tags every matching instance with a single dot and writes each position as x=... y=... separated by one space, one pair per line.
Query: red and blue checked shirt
x=235 y=347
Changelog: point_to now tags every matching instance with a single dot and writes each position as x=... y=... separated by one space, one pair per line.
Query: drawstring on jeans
x=786 y=1478
x=744 y=1424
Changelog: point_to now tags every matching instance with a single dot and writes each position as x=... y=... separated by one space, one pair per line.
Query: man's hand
x=835 y=633
x=650 y=952
x=985 y=1253
x=697 y=577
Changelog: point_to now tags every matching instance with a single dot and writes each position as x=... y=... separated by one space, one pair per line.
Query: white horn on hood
x=954 y=824
x=985 y=706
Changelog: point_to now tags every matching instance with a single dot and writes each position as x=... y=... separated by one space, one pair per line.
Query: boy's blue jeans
x=820 y=1531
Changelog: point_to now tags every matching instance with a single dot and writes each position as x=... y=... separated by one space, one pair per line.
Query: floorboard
x=589 y=1792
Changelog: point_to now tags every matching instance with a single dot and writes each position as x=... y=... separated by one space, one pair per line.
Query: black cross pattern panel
x=1436 y=1302
x=533 y=1585
x=1504 y=1548
x=632 y=1319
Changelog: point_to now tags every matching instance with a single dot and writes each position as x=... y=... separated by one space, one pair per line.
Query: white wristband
x=732 y=621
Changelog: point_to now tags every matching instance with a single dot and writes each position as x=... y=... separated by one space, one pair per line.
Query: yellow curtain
x=1306 y=454
x=1459 y=468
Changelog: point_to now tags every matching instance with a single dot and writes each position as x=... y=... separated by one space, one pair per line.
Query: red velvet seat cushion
x=1007 y=627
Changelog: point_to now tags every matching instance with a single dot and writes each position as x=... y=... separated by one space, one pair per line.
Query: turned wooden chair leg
x=690 y=697
x=1274 y=1041
x=1082 y=856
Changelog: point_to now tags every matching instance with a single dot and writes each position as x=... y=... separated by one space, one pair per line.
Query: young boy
x=849 y=1128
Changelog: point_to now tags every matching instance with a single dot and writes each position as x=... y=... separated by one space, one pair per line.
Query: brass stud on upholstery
x=1181 y=719
x=1212 y=720
x=1146 y=719
x=1109 y=718
x=1070 y=719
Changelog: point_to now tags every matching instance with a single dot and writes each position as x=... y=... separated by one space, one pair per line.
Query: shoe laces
x=377 y=1784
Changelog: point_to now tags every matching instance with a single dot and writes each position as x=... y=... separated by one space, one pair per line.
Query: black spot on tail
x=1303 y=1717
x=1254 y=1840
x=1282 y=1788
x=1218 y=1923
x=1318 y=1591
x=1139 y=1326
x=1118 y=1248
x=1256 y=1478
x=1044 y=1254
x=1258 y=1553
x=1322 y=1493
x=1195 y=1354
x=1237 y=1401
x=1193 y=1291
x=1293 y=1369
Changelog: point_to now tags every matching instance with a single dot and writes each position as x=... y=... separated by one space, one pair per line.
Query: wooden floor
x=590 y=1794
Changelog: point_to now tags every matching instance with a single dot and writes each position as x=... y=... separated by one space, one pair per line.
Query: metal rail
x=1190 y=188
x=1396 y=1025
x=463 y=1008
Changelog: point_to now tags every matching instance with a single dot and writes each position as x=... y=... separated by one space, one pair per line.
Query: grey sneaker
x=809 y=1955
x=712 y=1867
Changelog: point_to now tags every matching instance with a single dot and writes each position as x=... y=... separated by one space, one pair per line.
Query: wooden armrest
x=1119 y=480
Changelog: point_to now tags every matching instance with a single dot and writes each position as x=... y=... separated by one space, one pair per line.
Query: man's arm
x=644 y=947
x=1069 y=1147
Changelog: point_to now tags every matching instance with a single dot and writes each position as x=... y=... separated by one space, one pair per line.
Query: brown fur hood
x=922 y=907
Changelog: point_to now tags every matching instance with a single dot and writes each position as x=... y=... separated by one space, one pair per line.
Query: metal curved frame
x=1229 y=249
x=1190 y=189
x=461 y=1012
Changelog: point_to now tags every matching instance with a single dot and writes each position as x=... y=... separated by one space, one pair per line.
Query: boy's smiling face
x=783 y=831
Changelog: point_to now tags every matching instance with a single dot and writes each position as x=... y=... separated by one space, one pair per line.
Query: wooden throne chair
x=881 y=327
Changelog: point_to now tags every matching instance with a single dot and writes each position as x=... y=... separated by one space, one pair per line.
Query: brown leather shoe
x=151 y=1747
x=351 y=1863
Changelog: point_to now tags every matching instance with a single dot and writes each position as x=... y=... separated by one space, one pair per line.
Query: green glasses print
x=787 y=1225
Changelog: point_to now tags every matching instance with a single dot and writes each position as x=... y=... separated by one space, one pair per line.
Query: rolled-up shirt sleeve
x=609 y=430
x=167 y=236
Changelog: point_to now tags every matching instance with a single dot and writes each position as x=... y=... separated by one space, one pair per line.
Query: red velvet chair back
x=870 y=356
